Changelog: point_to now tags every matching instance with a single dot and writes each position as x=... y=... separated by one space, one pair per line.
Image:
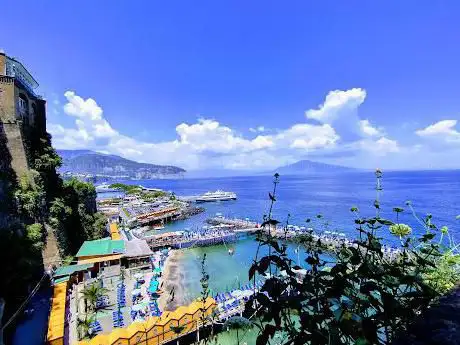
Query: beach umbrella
x=136 y=292
x=237 y=293
x=138 y=307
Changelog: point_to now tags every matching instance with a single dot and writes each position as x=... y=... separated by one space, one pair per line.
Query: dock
x=186 y=239
x=331 y=241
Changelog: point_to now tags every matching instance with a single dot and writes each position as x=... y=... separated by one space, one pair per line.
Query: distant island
x=305 y=167
x=91 y=164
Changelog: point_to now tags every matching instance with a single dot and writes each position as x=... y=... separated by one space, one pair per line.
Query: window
x=22 y=105
x=23 y=109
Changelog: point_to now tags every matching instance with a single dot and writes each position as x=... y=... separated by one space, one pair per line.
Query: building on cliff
x=22 y=113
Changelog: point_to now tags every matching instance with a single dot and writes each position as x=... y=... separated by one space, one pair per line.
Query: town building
x=22 y=114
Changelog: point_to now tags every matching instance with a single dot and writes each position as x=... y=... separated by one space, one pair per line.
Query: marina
x=226 y=239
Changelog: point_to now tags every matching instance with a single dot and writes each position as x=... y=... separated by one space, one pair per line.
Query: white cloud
x=308 y=137
x=376 y=147
x=257 y=129
x=340 y=110
x=385 y=145
x=444 y=130
x=208 y=143
x=336 y=104
x=199 y=144
x=369 y=130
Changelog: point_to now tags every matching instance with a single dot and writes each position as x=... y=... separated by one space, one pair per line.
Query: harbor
x=154 y=277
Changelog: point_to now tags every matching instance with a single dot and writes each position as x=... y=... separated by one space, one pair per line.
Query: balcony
x=21 y=83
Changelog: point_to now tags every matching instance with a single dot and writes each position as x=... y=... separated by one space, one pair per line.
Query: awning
x=69 y=270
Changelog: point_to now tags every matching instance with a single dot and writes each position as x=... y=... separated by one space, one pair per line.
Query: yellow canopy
x=100 y=259
x=130 y=333
x=114 y=233
x=57 y=313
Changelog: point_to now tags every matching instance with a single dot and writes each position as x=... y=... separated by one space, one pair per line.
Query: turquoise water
x=226 y=272
x=435 y=192
x=302 y=197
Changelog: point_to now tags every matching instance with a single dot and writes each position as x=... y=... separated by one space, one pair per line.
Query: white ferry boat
x=105 y=188
x=216 y=196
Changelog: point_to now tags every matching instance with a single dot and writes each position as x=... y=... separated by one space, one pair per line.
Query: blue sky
x=247 y=84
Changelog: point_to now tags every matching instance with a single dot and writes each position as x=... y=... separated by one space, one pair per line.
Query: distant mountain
x=309 y=167
x=69 y=154
x=94 y=163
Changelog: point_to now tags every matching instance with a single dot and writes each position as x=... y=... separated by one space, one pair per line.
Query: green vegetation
x=32 y=203
x=91 y=294
x=83 y=327
x=127 y=188
x=151 y=196
x=74 y=216
x=137 y=190
x=359 y=296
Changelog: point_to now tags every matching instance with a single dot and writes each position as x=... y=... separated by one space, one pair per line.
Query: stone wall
x=15 y=145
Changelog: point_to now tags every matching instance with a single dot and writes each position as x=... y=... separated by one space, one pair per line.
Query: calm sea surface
x=301 y=197
x=435 y=192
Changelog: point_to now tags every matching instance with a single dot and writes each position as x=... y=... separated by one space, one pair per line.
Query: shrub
x=358 y=293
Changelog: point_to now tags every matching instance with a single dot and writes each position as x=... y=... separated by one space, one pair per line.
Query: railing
x=27 y=87
x=5 y=79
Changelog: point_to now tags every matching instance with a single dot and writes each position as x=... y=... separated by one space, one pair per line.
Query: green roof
x=68 y=270
x=104 y=246
x=61 y=280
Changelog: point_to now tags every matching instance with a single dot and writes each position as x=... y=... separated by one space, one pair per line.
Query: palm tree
x=84 y=325
x=91 y=294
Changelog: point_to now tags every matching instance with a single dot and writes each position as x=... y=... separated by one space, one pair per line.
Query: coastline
x=174 y=291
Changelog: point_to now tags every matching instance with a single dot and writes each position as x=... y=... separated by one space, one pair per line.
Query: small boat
x=231 y=251
x=160 y=226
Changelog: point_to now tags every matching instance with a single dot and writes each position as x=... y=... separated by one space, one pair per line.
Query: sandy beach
x=174 y=293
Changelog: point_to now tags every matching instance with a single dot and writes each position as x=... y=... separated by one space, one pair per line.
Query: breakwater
x=330 y=241
x=187 y=239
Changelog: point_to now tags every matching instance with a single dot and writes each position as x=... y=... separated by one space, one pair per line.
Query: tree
x=91 y=294
x=84 y=326
x=34 y=233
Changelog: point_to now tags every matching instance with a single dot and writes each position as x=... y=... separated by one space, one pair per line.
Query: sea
x=299 y=199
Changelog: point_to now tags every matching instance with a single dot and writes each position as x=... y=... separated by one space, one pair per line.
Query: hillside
x=309 y=167
x=94 y=163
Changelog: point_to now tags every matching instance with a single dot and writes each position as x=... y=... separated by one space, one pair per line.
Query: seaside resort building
x=128 y=313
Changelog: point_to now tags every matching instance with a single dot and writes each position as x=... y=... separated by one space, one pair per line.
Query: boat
x=159 y=226
x=218 y=195
x=105 y=188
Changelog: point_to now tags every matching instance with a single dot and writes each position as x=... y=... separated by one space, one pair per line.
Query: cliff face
x=88 y=162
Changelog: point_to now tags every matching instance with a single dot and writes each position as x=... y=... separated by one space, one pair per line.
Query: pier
x=187 y=239
x=331 y=241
